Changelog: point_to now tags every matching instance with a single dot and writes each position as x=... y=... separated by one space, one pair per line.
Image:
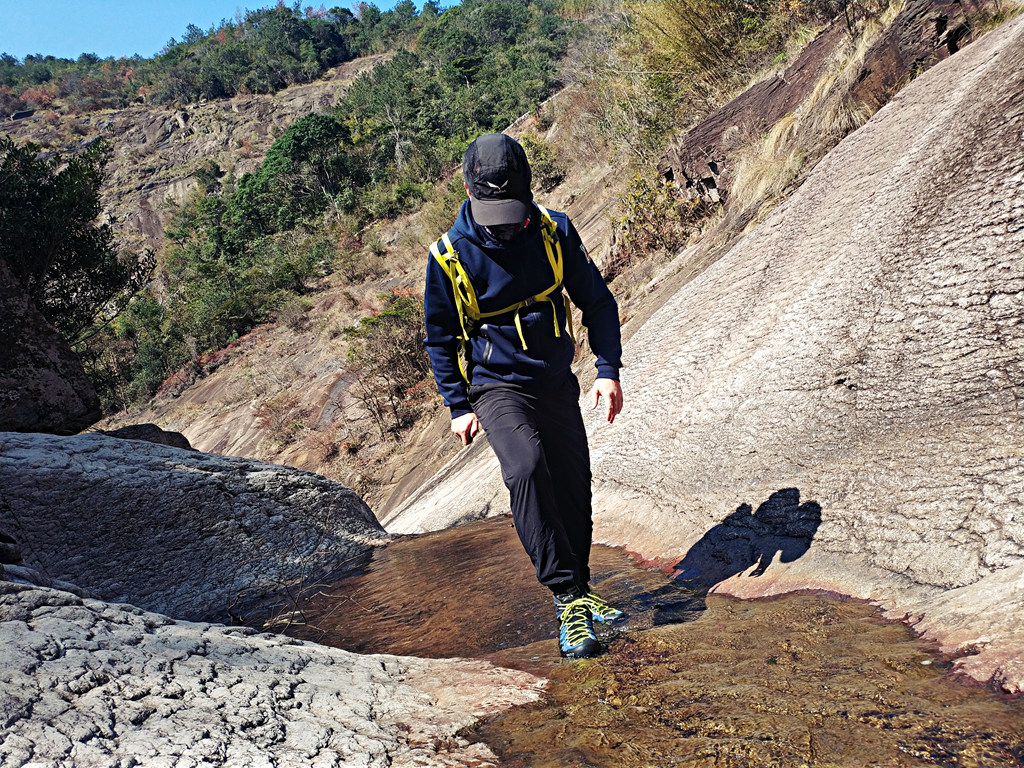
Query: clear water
x=690 y=681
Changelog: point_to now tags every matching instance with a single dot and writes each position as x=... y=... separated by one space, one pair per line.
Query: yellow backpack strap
x=568 y=318
x=553 y=247
x=466 y=305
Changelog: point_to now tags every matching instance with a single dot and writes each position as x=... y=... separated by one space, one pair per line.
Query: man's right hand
x=466 y=427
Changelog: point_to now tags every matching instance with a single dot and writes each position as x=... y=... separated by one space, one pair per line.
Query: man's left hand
x=611 y=391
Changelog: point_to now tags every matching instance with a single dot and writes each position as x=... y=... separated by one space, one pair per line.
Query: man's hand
x=466 y=427
x=612 y=393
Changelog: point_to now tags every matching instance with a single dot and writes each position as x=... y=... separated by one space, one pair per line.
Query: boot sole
x=587 y=650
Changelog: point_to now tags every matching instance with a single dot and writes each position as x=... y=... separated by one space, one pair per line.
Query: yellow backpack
x=466 y=303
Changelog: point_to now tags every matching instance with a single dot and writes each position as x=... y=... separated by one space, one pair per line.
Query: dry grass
x=768 y=170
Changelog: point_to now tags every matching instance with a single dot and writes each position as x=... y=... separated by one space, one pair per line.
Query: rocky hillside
x=285 y=394
x=157 y=151
x=839 y=389
x=822 y=394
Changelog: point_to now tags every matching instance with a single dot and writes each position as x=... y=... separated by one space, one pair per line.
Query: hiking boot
x=576 y=638
x=600 y=610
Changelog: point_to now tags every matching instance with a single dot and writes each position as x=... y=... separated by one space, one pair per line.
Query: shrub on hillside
x=654 y=220
x=548 y=171
x=390 y=363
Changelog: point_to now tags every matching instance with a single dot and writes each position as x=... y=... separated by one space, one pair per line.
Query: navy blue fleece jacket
x=504 y=274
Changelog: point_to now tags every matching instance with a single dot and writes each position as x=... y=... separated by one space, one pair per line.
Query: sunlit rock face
x=922 y=34
x=862 y=347
x=836 y=403
x=193 y=535
x=88 y=683
x=42 y=385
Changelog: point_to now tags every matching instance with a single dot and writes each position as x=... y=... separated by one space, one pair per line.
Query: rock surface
x=85 y=683
x=858 y=351
x=921 y=35
x=42 y=385
x=706 y=158
x=192 y=535
x=702 y=160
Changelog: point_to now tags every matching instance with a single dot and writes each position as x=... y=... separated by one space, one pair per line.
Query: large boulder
x=42 y=385
x=835 y=403
x=192 y=535
x=149 y=433
x=863 y=346
x=85 y=683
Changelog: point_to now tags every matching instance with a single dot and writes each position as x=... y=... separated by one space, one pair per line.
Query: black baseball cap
x=498 y=177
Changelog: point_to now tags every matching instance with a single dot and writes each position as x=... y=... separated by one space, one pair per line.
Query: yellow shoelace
x=597 y=606
x=575 y=625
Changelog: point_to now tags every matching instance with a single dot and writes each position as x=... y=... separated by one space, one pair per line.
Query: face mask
x=507 y=232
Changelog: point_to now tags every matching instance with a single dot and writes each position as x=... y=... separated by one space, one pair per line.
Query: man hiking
x=495 y=295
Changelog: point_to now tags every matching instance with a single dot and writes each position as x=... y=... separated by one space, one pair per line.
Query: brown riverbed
x=692 y=680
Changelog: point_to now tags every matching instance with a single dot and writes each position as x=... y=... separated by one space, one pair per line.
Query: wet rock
x=42 y=385
x=88 y=683
x=193 y=535
x=860 y=348
x=800 y=680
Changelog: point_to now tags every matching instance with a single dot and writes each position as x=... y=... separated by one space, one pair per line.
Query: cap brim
x=493 y=213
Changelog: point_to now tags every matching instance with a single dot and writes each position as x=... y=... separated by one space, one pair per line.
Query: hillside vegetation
x=324 y=236
x=239 y=249
x=259 y=51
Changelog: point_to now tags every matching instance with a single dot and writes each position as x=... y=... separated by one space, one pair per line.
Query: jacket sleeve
x=442 y=342
x=588 y=291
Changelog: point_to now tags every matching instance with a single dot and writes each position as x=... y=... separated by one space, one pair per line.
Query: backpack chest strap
x=467 y=305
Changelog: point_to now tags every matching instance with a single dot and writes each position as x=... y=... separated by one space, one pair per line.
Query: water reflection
x=797 y=680
x=694 y=679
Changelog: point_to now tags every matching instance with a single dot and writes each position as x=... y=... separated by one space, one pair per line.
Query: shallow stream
x=691 y=680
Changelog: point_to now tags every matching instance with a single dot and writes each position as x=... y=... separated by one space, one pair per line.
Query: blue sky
x=67 y=28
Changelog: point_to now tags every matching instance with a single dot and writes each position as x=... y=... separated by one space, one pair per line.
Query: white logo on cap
x=495 y=186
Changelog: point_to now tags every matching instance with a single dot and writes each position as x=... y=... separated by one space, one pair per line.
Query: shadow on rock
x=751 y=538
x=781 y=525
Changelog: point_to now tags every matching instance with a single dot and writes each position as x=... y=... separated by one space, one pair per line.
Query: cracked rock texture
x=196 y=536
x=85 y=683
x=859 y=351
x=42 y=385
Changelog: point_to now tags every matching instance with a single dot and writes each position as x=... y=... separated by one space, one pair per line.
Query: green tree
x=51 y=236
x=300 y=176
